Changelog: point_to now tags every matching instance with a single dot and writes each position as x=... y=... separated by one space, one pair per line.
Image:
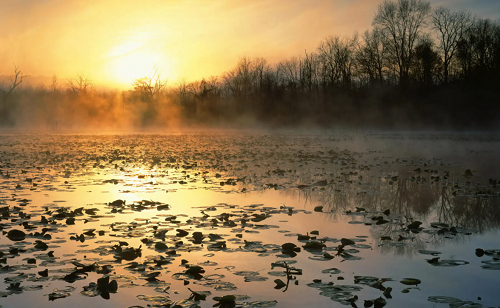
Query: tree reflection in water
x=407 y=197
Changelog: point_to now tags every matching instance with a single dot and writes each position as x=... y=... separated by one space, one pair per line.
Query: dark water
x=185 y=219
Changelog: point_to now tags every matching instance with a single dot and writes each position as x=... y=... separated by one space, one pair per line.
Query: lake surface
x=250 y=219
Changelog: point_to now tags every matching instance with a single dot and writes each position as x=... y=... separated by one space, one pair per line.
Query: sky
x=113 y=42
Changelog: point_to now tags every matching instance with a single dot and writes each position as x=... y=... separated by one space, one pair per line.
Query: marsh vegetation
x=249 y=219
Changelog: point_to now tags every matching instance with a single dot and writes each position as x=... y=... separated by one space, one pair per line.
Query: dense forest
x=417 y=68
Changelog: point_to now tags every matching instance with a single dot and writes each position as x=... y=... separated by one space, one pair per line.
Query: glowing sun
x=130 y=61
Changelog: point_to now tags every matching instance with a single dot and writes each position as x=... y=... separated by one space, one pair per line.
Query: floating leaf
x=246 y=273
x=161 y=246
x=491 y=264
x=439 y=225
x=288 y=246
x=437 y=262
x=321 y=257
x=314 y=245
x=60 y=293
x=198 y=295
x=282 y=263
x=225 y=301
x=429 y=252
x=465 y=304
x=277 y=273
x=410 y=281
x=442 y=299
x=255 y=278
x=16 y=235
x=260 y=304
x=279 y=284
x=331 y=271
x=346 y=242
x=479 y=252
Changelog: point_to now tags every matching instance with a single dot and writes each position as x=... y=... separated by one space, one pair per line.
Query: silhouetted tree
x=371 y=56
x=483 y=39
x=15 y=81
x=81 y=85
x=477 y=51
x=310 y=71
x=401 y=23
x=450 y=27
x=288 y=73
x=465 y=54
x=8 y=106
x=54 y=86
x=260 y=67
x=336 y=56
x=150 y=87
x=427 y=63
x=239 y=80
x=207 y=96
x=186 y=103
x=263 y=84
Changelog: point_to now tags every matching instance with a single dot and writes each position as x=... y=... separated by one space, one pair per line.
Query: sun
x=130 y=61
x=132 y=66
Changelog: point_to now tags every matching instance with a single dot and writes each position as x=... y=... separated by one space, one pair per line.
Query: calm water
x=187 y=218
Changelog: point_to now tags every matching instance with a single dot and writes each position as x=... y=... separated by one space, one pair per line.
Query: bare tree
x=483 y=36
x=186 y=98
x=245 y=76
x=427 y=62
x=240 y=81
x=310 y=72
x=288 y=72
x=182 y=88
x=55 y=87
x=206 y=94
x=401 y=22
x=150 y=87
x=371 y=55
x=15 y=80
x=81 y=85
x=478 y=50
x=260 y=67
x=450 y=27
x=231 y=83
x=336 y=55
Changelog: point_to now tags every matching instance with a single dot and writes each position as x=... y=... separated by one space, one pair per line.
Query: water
x=256 y=191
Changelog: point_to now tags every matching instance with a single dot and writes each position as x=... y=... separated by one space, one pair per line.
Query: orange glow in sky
x=115 y=41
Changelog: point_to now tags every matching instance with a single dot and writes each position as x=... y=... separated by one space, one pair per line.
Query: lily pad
x=314 y=245
x=259 y=304
x=61 y=293
x=429 y=252
x=255 y=278
x=331 y=271
x=447 y=263
x=410 y=281
x=16 y=235
x=246 y=273
x=465 y=304
x=491 y=264
x=442 y=299
x=279 y=284
x=346 y=242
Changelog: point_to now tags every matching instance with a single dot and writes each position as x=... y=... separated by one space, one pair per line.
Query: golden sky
x=115 y=41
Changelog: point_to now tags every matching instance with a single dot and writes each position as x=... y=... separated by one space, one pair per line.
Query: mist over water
x=365 y=211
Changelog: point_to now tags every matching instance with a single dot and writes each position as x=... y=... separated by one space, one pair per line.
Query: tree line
x=416 y=68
